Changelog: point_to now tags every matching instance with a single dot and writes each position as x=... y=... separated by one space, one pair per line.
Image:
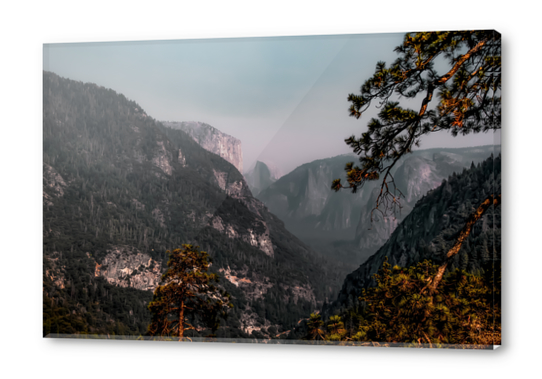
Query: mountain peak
x=262 y=176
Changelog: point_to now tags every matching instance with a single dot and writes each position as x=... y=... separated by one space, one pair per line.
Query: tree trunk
x=181 y=322
x=491 y=200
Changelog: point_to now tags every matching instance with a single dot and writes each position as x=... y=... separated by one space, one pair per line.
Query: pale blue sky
x=283 y=97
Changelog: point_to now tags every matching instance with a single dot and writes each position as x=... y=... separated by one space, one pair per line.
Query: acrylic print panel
x=340 y=190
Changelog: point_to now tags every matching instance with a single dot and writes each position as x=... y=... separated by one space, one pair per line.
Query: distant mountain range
x=339 y=224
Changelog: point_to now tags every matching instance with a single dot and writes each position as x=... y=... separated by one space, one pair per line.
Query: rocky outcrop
x=181 y=159
x=125 y=266
x=253 y=230
x=249 y=321
x=254 y=287
x=53 y=184
x=163 y=158
x=138 y=205
x=159 y=216
x=258 y=235
x=213 y=140
x=53 y=271
x=299 y=292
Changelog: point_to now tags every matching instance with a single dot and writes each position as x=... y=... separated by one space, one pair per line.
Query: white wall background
x=25 y=26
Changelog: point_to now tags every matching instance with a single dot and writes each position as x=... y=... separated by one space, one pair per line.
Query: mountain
x=432 y=227
x=339 y=224
x=120 y=188
x=213 y=140
x=417 y=173
x=261 y=177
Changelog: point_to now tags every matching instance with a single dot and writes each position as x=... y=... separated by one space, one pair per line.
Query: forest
x=112 y=179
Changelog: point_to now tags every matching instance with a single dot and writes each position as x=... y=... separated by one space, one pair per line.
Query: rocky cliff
x=213 y=140
x=304 y=196
x=417 y=173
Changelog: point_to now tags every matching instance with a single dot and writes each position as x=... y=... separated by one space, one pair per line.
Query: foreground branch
x=491 y=200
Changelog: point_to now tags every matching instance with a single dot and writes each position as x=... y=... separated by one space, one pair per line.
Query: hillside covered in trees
x=390 y=299
x=120 y=189
x=431 y=229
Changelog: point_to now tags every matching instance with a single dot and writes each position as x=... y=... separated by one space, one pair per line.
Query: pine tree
x=188 y=296
x=469 y=93
x=336 y=328
x=314 y=325
x=402 y=308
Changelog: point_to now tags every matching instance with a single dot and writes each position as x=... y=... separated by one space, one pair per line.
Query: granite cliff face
x=417 y=174
x=303 y=197
x=257 y=235
x=213 y=140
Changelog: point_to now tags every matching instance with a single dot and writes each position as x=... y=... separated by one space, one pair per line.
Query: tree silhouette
x=188 y=293
x=469 y=93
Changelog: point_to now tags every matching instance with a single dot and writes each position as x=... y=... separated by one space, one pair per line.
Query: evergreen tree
x=336 y=328
x=188 y=293
x=314 y=325
x=402 y=308
x=469 y=93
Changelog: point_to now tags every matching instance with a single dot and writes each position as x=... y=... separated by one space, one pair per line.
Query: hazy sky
x=283 y=97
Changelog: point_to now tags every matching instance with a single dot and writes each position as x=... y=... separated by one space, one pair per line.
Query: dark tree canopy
x=188 y=296
x=462 y=69
x=401 y=308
